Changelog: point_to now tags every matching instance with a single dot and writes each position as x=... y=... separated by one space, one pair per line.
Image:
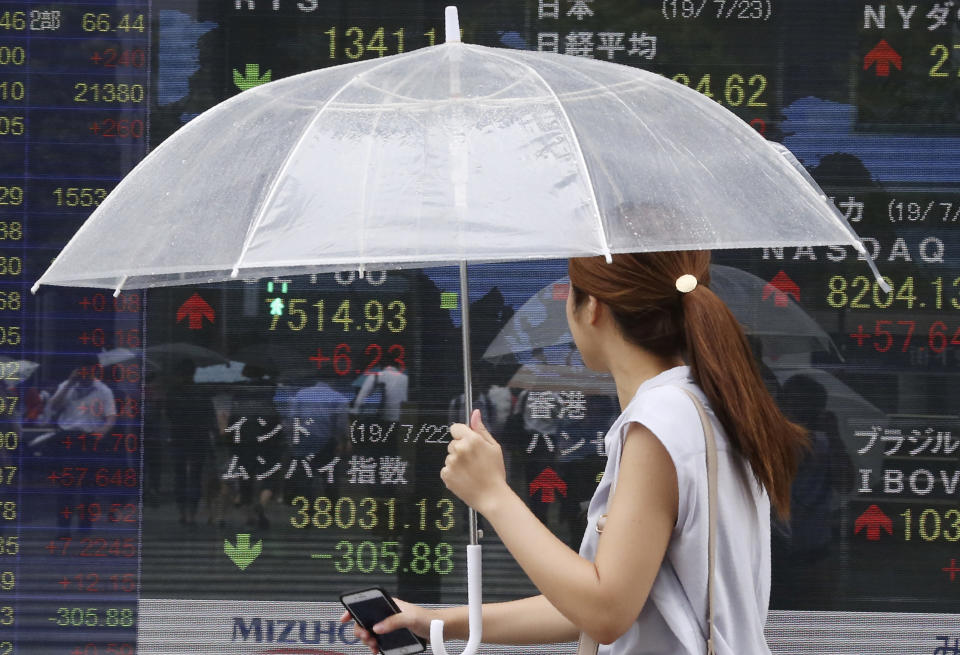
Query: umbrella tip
x=452 y=25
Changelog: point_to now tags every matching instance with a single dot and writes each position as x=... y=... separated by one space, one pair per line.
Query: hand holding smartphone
x=370 y=606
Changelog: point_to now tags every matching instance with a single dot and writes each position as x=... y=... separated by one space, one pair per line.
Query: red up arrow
x=560 y=290
x=780 y=287
x=872 y=520
x=883 y=55
x=196 y=309
x=549 y=483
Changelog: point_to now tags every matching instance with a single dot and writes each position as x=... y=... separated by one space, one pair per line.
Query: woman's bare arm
x=526 y=621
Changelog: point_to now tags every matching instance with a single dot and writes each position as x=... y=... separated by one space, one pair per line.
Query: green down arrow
x=243 y=553
x=250 y=77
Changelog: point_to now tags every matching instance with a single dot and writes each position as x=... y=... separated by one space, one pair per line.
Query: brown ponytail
x=640 y=291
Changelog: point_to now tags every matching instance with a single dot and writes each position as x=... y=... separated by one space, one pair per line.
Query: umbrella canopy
x=448 y=153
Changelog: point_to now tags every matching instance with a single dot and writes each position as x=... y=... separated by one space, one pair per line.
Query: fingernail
x=377 y=628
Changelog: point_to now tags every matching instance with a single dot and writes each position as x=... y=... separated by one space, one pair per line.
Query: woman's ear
x=594 y=309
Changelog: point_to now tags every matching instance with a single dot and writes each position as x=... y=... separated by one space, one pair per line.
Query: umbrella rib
x=366 y=177
x=581 y=160
x=275 y=184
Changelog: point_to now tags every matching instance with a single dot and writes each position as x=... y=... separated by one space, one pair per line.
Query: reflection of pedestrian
x=156 y=436
x=318 y=417
x=821 y=472
x=81 y=405
x=191 y=418
x=802 y=546
x=392 y=384
x=257 y=440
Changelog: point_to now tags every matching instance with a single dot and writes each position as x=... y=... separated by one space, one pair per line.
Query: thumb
x=393 y=622
x=476 y=424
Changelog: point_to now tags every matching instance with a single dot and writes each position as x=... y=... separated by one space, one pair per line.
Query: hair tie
x=686 y=283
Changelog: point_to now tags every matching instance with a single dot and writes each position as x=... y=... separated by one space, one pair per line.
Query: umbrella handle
x=475 y=609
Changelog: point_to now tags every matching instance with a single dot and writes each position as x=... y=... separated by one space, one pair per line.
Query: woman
x=641 y=585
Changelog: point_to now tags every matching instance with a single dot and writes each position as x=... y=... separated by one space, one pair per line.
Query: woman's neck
x=631 y=366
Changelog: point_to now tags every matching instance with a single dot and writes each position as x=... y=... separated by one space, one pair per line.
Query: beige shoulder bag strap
x=589 y=646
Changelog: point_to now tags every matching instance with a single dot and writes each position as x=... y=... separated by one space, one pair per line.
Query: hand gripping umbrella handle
x=475 y=609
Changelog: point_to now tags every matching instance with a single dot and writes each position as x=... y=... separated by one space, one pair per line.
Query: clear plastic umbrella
x=441 y=155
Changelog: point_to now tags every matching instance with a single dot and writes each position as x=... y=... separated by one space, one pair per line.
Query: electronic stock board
x=205 y=469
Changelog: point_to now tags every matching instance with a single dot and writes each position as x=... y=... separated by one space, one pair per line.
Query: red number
x=399 y=355
x=376 y=359
x=123 y=59
x=126 y=442
x=911 y=325
x=128 y=407
x=937 y=337
x=129 y=338
x=125 y=373
x=341 y=359
x=879 y=331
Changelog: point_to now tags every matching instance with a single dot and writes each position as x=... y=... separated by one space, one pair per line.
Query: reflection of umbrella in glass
x=275 y=359
x=787 y=328
x=563 y=377
x=179 y=350
x=16 y=371
x=221 y=373
x=117 y=355
x=781 y=327
x=446 y=154
x=163 y=355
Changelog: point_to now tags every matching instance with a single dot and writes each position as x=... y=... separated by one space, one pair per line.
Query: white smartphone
x=370 y=606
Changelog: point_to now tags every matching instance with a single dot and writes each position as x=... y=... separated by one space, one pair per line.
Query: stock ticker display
x=206 y=469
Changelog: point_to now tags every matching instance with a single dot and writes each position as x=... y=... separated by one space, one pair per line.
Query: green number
x=376 y=42
x=373 y=313
x=345 y=507
x=838 y=291
x=733 y=91
x=370 y=549
x=420 y=564
x=399 y=321
x=388 y=552
x=905 y=292
x=303 y=512
x=944 y=55
x=442 y=562
x=877 y=290
x=345 y=563
x=925 y=534
x=321 y=509
x=357 y=51
x=343 y=315
x=370 y=514
x=447 y=514
x=955 y=524
x=755 y=98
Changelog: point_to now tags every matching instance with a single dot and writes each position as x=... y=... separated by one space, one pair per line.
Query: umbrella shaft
x=467 y=384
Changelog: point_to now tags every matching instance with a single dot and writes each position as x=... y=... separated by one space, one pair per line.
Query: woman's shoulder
x=670 y=414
